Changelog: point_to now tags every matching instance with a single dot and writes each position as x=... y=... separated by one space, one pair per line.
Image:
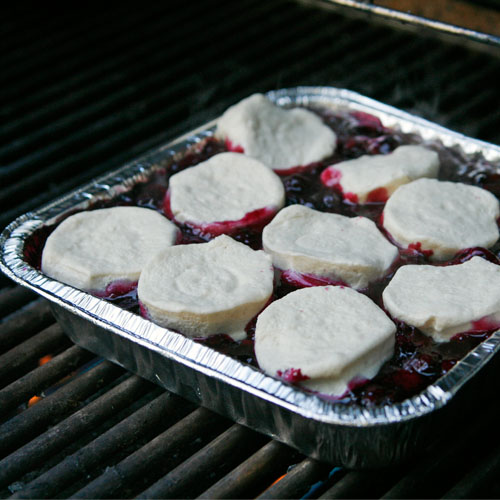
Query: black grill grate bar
x=27 y=60
x=254 y=475
x=405 y=59
x=453 y=104
x=407 y=88
x=443 y=464
x=23 y=323
x=13 y=298
x=296 y=483
x=130 y=63
x=414 y=88
x=145 y=129
x=34 y=453
x=29 y=160
x=191 y=477
x=297 y=65
x=82 y=137
x=350 y=50
x=489 y=128
x=5 y=282
x=156 y=457
x=30 y=26
x=99 y=153
x=32 y=36
x=473 y=81
x=161 y=96
x=62 y=62
x=361 y=484
x=477 y=106
x=406 y=83
x=365 y=59
x=295 y=61
x=364 y=62
x=477 y=482
x=21 y=428
x=42 y=377
x=15 y=362
x=67 y=183
x=165 y=410
x=122 y=101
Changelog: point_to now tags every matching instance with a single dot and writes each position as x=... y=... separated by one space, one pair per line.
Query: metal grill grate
x=85 y=90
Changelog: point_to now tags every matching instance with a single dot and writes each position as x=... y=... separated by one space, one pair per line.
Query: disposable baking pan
x=348 y=435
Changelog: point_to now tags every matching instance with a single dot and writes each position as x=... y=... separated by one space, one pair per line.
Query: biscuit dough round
x=442 y=301
x=207 y=288
x=90 y=250
x=279 y=138
x=351 y=250
x=442 y=216
x=333 y=334
x=226 y=187
x=366 y=176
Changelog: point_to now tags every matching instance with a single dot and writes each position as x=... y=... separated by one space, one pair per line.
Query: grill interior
x=86 y=89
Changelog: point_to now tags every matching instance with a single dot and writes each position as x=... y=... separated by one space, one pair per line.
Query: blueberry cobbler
x=340 y=255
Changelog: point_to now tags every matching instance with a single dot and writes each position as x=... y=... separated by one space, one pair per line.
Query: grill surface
x=84 y=90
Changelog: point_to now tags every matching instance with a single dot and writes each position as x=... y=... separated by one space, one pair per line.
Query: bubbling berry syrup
x=292 y=375
x=253 y=222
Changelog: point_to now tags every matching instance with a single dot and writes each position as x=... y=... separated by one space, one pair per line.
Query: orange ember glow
x=45 y=359
x=33 y=401
x=278 y=480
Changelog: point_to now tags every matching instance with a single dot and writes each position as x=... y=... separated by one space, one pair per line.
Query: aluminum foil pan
x=351 y=436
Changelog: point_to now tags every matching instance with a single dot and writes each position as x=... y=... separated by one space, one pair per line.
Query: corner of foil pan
x=470 y=365
x=438 y=394
x=13 y=236
x=391 y=117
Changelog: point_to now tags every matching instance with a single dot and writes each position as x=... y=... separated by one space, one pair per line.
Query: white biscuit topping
x=443 y=217
x=226 y=187
x=444 y=301
x=332 y=334
x=207 y=288
x=90 y=250
x=375 y=178
x=279 y=138
x=351 y=250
